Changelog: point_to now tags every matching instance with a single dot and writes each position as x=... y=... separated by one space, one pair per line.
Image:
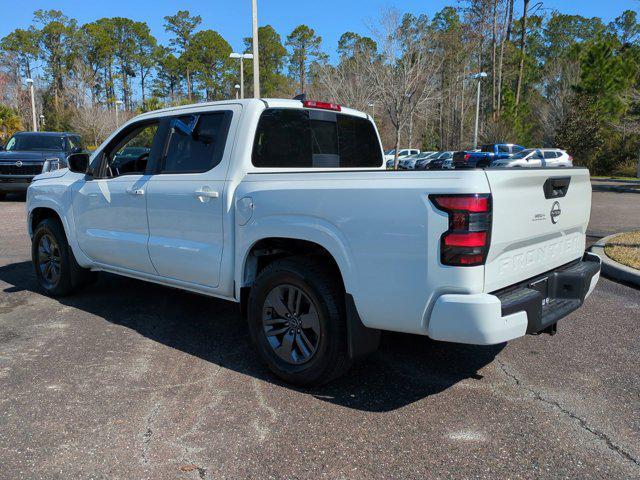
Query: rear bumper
x=487 y=319
x=14 y=184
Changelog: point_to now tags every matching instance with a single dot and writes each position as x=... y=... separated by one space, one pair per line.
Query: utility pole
x=33 y=104
x=256 y=63
x=478 y=77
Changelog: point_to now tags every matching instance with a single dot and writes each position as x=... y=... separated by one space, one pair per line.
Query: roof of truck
x=268 y=102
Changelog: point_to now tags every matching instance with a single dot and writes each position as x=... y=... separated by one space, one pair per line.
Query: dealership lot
x=132 y=380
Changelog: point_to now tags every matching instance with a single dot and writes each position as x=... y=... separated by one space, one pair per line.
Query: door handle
x=205 y=192
x=135 y=191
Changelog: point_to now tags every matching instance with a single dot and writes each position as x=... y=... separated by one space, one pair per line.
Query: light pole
x=256 y=63
x=478 y=77
x=29 y=82
x=241 y=56
x=372 y=106
x=41 y=121
x=118 y=103
x=237 y=87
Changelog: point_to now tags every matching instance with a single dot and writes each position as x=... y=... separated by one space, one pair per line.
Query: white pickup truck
x=285 y=207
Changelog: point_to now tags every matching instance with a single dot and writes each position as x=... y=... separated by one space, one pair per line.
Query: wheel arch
x=265 y=250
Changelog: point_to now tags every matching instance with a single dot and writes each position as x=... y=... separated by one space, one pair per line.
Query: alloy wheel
x=291 y=324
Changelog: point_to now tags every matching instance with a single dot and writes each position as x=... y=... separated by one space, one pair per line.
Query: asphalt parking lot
x=133 y=380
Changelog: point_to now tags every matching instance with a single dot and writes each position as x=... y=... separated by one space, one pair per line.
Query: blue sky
x=330 y=18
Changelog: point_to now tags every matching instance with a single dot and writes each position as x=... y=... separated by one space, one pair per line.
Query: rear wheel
x=297 y=321
x=56 y=268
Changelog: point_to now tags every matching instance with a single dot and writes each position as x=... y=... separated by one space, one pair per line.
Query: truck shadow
x=407 y=368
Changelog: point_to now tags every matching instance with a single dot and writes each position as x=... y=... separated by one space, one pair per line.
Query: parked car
x=423 y=159
x=486 y=156
x=409 y=163
x=537 y=157
x=237 y=204
x=28 y=154
x=444 y=161
x=405 y=152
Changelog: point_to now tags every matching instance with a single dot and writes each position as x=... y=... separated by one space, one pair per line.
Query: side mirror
x=78 y=162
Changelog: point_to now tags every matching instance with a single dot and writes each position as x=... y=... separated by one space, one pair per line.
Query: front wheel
x=297 y=321
x=56 y=268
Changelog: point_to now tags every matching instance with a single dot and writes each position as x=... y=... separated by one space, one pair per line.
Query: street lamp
x=478 y=77
x=256 y=63
x=29 y=82
x=241 y=56
x=372 y=106
x=118 y=103
x=237 y=87
x=41 y=121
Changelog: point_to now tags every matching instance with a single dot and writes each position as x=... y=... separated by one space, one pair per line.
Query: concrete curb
x=613 y=269
x=613 y=188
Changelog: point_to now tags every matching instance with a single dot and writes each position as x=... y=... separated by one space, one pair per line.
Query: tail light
x=321 y=105
x=467 y=156
x=467 y=241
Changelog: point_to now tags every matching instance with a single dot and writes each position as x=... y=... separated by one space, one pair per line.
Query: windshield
x=390 y=152
x=523 y=154
x=35 y=142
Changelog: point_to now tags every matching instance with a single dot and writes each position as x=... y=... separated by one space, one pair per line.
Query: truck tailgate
x=540 y=219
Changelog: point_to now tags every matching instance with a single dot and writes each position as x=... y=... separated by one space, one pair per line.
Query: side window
x=550 y=155
x=201 y=150
x=516 y=149
x=129 y=154
x=503 y=149
x=292 y=138
x=359 y=145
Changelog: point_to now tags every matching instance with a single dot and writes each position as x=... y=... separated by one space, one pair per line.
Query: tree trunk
x=411 y=132
x=302 y=75
x=142 y=75
x=505 y=39
x=395 y=156
x=188 y=84
x=461 y=138
x=523 y=40
x=494 y=50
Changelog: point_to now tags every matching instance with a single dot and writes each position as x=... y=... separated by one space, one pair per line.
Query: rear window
x=486 y=148
x=292 y=138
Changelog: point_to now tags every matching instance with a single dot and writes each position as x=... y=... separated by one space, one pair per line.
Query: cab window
x=294 y=138
x=200 y=149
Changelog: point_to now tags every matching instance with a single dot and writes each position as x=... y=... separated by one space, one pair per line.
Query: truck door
x=186 y=202
x=110 y=209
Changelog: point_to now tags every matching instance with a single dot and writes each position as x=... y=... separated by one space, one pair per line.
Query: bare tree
x=523 y=43
x=405 y=76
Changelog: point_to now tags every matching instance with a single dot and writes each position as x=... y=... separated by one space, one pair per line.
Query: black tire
x=3 y=195
x=71 y=276
x=322 y=287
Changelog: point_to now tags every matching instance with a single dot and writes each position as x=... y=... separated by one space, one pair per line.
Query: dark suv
x=28 y=154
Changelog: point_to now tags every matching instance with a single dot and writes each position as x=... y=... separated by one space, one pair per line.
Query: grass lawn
x=625 y=249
